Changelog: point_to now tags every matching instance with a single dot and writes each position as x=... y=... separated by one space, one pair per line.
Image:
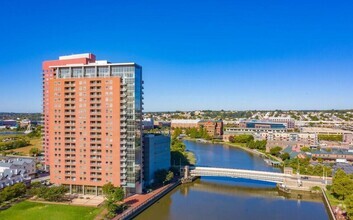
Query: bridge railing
x=238 y=173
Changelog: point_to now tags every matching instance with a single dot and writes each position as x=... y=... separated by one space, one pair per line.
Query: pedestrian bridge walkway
x=238 y=173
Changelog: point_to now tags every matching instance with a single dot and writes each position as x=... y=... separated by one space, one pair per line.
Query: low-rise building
x=285 y=139
x=12 y=124
x=346 y=167
x=214 y=128
x=18 y=163
x=348 y=138
x=185 y=123
x=320 y=130
x=334 y=154
x=294 y=152
x=256 y=132
x=261 y=124
x=156 y=155
x=288 y=121
x=148 y=123
x=9 y=177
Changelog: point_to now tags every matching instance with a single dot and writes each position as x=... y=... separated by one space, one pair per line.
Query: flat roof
x=95 y=64
x=75 y=56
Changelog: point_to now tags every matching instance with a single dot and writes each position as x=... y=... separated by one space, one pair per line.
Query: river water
x=227 y=198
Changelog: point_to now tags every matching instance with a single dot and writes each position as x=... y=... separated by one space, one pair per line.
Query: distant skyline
x=231 y=55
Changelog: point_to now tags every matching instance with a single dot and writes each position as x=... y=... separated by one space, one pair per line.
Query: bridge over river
x=288 y=180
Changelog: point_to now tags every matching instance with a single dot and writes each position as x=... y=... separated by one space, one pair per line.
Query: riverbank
x=223 y=198
x=138 y=203
x=237 y=145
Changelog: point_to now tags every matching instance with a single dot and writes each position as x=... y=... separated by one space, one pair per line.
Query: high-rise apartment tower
x=92 y=113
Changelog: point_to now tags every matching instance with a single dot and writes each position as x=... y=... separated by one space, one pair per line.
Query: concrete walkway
x=138 y=199
x=88 y=200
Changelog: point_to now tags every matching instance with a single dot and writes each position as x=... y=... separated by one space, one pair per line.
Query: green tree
x=34 y=151
x=176 y=132
x=305 y=149
x=54 y=193
x=349 y=206
x=169 y=177
x=285 y=156
x=342 y=185
x=260 y=145
x=108 y=188
x=115 y=194
x=275 y=151
x=11 y=192
x=243 y=138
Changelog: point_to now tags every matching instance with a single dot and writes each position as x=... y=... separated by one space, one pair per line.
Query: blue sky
x=232 y=55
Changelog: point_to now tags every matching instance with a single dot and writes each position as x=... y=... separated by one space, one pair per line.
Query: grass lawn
x=39 y=211
x=34 y=142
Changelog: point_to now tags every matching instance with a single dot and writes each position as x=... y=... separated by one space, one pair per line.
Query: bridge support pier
x=186 y=172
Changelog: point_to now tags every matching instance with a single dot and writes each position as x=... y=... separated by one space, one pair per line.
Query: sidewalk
x=138 y=199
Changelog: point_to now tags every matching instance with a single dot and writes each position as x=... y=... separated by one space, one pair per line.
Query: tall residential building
x=92 y=123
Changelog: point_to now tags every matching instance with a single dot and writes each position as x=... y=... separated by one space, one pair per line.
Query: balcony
x=70 y=96
x=95 y=157
x=123 y=165
x=123 y=119
x=123 y=171
x=96 y=152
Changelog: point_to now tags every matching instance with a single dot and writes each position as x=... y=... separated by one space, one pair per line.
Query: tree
x=12 y=192
x=115 y=194
x=160 y=176
x=54 y=193
x=260 y=145
x=169 y=177
x=118 y=194
x=349 y=206
x=108 y=188
x=342 y=185
x=176 y=133
x=275 y=150
x=285 y=156
x=305 y=149
x=34 y=151
x=243 y=138
x=231 y=139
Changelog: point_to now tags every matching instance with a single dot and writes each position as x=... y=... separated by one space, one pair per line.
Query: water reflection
x=227 y=198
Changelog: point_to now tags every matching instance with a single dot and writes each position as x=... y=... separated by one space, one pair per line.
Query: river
x=227 y=198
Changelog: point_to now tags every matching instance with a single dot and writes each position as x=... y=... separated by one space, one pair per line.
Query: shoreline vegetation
x=236 y=145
